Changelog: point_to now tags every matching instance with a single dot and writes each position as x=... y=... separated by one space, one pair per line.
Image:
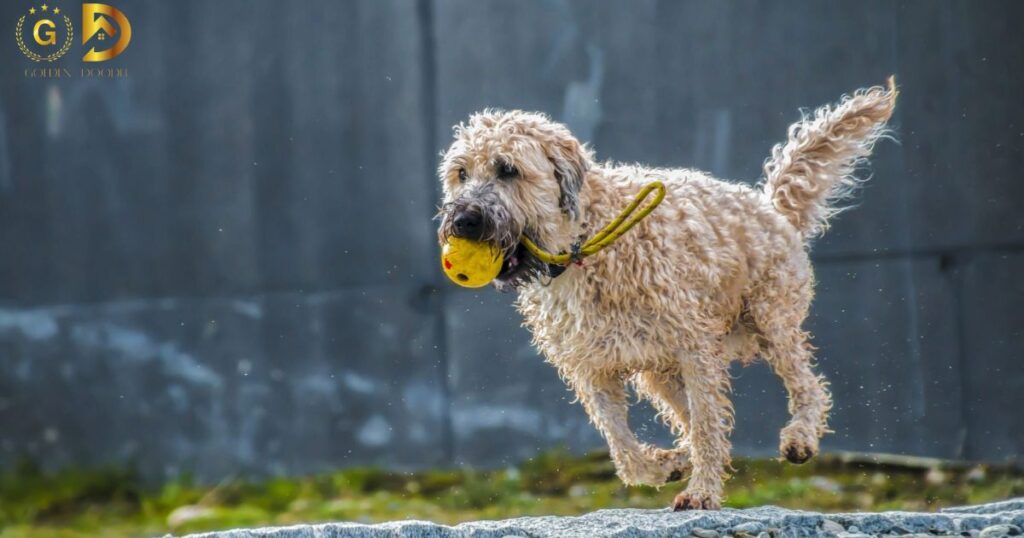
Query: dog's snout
x=468 y=224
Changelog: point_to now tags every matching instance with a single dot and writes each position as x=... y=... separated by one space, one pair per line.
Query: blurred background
x=223 y=264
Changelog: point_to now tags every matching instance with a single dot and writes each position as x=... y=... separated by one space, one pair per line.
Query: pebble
x=751 y=527
x=998 y=531
x=831 y=527
x=704 y=533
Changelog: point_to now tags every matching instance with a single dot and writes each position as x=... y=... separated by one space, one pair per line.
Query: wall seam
x=428 y=98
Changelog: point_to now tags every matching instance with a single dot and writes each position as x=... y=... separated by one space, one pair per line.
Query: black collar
x=576 y=256
x=555 y=270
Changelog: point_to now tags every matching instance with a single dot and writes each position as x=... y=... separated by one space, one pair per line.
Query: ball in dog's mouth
x=470 y=263
x=474 y=264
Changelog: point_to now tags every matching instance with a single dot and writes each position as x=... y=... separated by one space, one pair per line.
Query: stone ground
x=983 y=521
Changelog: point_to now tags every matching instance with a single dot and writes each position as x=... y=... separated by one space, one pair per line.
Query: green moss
x=113 y=502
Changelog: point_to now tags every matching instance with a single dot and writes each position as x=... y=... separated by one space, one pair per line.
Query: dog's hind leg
x=667 y=393
x=787 y=350
x=605 y=400
x=789 y=355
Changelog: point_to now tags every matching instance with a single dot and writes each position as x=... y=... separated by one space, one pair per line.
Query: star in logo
x=31 y=11
x=56 y=10
x=44 y=7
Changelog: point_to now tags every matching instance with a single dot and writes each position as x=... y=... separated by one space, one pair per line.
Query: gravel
x=983 y=521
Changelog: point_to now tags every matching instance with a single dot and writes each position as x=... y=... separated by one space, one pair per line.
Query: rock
x=825 y=484
x=831 y=527
x=999 y=531
x=751 y=527
x=1012 y=505
x=985 y=521
x=977 y=474
x=186 y=514
x=935 y=476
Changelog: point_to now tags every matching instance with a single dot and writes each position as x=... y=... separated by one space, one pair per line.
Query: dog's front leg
x=667 y=393
x=711 y=419
x=604 y=398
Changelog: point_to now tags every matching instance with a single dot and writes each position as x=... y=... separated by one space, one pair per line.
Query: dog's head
x=513 y=173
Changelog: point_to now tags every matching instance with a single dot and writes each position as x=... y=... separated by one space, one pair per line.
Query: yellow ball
x=472 y=264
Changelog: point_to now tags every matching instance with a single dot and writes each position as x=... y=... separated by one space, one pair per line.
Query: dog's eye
x=507 y=171
x=462 y=175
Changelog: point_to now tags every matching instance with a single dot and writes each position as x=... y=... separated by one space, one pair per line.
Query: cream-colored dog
x=718 y=272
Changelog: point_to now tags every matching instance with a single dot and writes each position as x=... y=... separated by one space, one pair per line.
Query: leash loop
x=614 y=230
x=576 y=253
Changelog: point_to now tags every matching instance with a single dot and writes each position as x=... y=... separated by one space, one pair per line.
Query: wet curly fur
x=719 y=272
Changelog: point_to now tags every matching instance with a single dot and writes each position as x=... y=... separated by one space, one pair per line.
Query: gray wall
x=225 y=263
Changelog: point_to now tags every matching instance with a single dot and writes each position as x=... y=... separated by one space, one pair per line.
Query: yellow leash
x=608 y=234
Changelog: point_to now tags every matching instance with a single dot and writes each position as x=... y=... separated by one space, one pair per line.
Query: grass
x=115 y=503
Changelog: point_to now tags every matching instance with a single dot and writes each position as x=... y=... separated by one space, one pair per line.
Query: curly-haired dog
x=719 y=271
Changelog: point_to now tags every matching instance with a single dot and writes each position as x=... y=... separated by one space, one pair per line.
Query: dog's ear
x=571 y=162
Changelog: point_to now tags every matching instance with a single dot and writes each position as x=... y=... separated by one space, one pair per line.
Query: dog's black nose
x=468 y=225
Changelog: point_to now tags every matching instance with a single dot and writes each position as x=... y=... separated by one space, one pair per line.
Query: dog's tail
x=814 y=170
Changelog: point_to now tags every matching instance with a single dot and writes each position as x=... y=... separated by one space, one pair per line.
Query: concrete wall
x=225 y=262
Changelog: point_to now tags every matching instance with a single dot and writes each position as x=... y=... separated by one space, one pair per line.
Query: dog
x=718 y=272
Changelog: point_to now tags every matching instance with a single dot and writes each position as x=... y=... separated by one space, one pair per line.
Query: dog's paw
x=641 y=477
x=696 y=500
x=797 y=453
x=675 y=463
x=797 y=445
x=640 y=471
